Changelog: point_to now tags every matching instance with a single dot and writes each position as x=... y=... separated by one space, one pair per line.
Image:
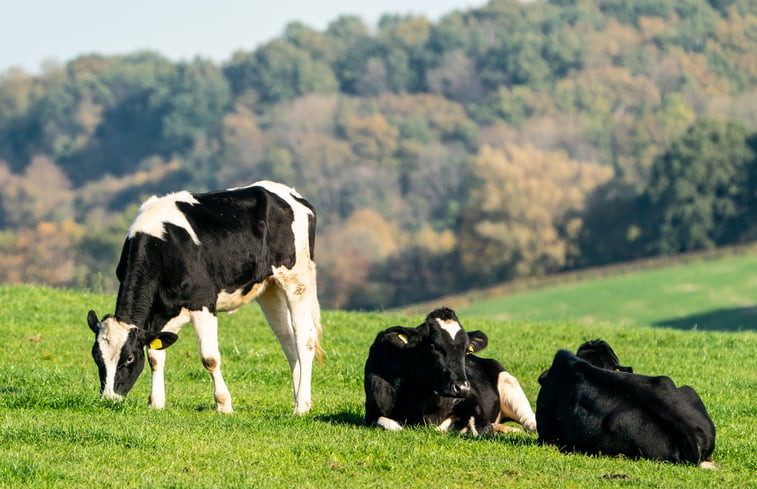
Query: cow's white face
x=119 y=353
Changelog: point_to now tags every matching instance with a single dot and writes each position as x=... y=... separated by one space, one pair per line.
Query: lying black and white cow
x=428 y=375
x=187 y=257
x=589 y=408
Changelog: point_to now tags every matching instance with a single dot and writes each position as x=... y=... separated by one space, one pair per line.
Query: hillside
x=517 y=139
x=712 y=291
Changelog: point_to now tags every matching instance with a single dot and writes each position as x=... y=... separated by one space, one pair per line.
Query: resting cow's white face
x=118 y=352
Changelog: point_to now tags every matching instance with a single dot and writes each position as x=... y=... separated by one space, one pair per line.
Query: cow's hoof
x=303 y=409
x=503 y=428
x=530 y=425
x=224 y=409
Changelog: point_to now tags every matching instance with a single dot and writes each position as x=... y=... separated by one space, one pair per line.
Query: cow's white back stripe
x=301 y=213
x=155 y=212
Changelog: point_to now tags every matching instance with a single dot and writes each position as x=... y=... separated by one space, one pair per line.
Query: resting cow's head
x=119 y=352
x=598 y=353
x=440 y=345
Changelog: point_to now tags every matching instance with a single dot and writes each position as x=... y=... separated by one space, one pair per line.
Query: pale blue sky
x=33 y=31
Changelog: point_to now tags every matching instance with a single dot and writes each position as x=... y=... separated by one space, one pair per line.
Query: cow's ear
x=93 y=322
x=478 y=341
x=401 y=337
x=543 y=377
x=161 y=340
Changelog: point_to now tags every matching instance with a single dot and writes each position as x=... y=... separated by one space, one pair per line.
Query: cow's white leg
x=444 y=425
x=513 y=402
x=275 y=308
x=206 y=327
x=305 y=313
x=389 y=424
x=157 y=360
x=306 y=339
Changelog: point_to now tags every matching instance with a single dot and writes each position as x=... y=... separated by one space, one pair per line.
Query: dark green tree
x=199 y=95
x=698 y=196
x=280 y=71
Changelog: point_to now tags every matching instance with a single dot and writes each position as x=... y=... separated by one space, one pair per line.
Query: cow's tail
x=316 y=313
x=314 y=304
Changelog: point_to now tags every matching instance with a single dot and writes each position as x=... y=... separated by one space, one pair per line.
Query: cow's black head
x=600 y=354
x=440 y=345
x=119 y=352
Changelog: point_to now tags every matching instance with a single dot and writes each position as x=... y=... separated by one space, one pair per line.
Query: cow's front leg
x=157 y=360
x=206 y=327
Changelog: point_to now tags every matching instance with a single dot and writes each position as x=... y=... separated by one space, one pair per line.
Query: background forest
x=500 y=142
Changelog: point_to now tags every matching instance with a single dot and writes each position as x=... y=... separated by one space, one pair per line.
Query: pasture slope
x=56 y=433
x=708 y=292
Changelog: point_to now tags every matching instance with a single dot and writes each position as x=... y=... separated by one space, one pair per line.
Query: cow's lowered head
x=119 y=352
x=440 y=345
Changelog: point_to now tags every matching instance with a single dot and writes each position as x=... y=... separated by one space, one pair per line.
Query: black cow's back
x=589 y=409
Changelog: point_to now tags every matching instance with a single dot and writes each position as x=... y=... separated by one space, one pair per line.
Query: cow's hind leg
x=300 y=292
x=306 y=338
x=513 y=401
x=206 y=327
x=275 y=308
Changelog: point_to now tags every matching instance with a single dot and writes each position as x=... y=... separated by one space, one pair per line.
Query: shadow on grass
x=347 y=418
x=516 y=438
x=731 y=319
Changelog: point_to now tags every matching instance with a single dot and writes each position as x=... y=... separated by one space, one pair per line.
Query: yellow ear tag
x=402 y=338
x=470 y=349
x=156 y=344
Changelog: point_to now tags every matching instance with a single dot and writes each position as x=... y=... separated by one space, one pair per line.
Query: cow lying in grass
x=429 y=375
x=593 y=405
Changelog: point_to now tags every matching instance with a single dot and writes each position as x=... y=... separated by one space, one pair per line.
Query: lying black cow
x=428 y=375
x=598 y=353
x=584 y=407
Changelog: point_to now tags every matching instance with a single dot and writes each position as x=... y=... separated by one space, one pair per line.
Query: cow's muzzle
x=461 y=390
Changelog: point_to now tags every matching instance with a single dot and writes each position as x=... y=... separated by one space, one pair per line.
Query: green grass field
x=719 y=294
x=56 y=433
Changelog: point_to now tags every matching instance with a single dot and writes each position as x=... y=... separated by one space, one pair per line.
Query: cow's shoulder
x=485 y=367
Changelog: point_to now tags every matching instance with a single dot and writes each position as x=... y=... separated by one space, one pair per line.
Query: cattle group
x=188 y=256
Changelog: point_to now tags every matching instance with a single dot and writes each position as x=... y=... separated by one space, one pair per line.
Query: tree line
x=504 y=141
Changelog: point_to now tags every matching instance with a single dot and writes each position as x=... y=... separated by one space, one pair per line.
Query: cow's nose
x=461 y=389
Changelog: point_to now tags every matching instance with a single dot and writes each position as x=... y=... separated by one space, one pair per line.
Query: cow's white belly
x=230 y=302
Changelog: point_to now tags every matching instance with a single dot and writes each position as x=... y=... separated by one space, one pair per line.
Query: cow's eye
x=129 y=360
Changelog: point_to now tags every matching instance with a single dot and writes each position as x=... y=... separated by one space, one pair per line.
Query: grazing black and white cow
x=598 y=408
x=428 y=375
x=188 y=256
